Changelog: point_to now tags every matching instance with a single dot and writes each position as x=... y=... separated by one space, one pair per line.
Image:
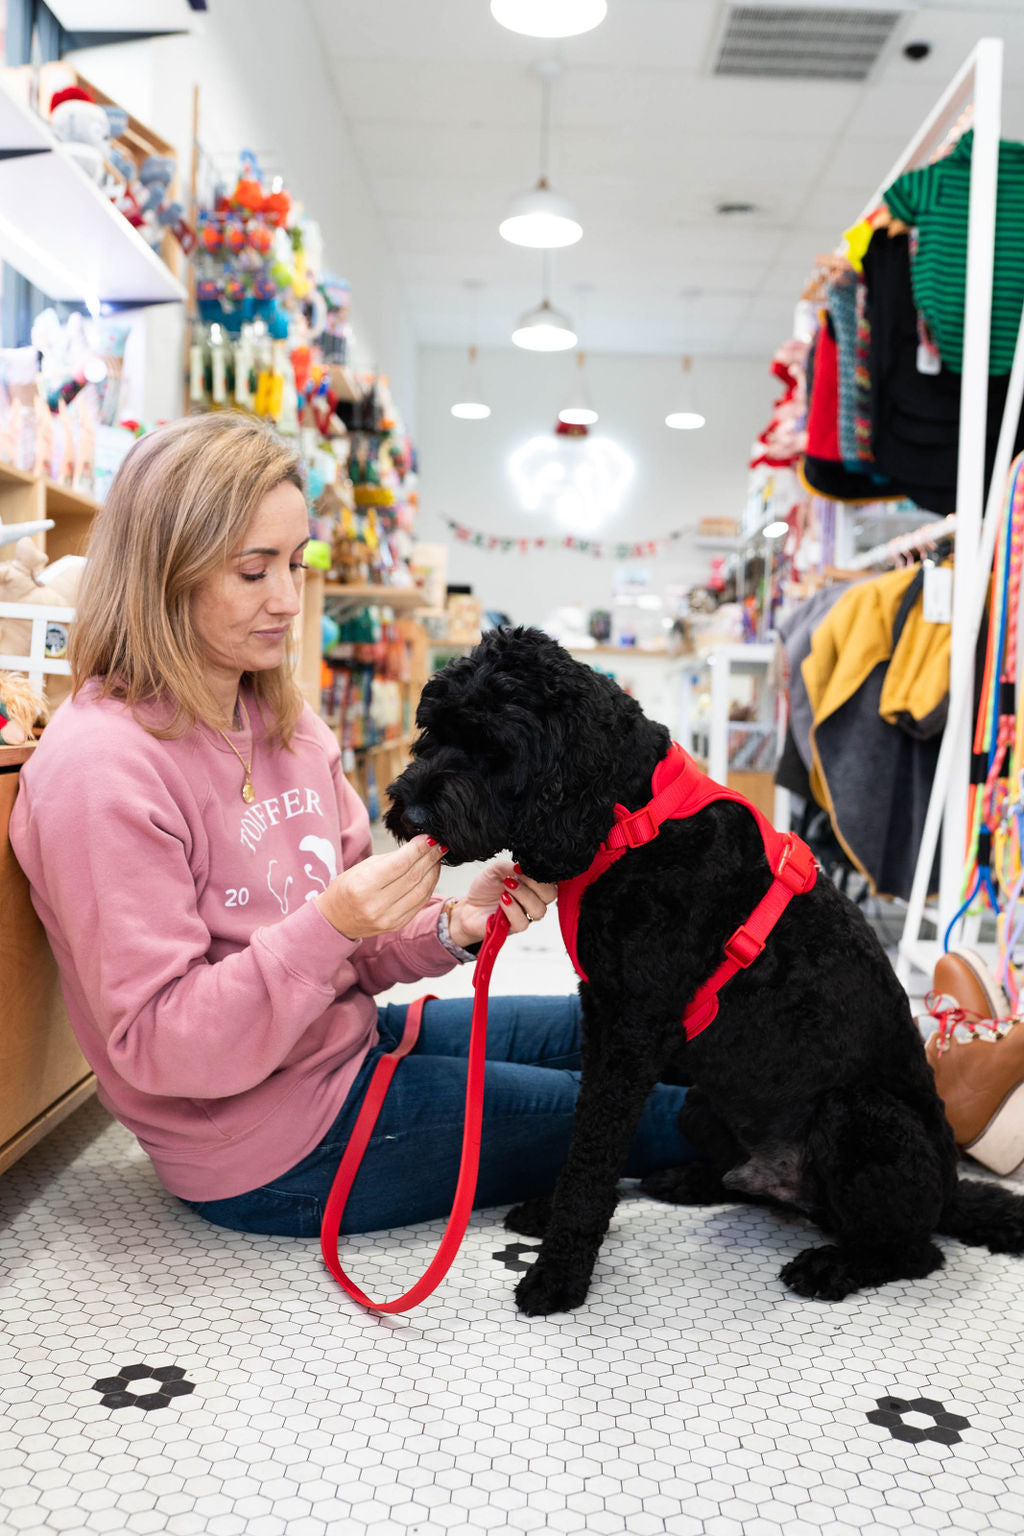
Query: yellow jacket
x=854 y=636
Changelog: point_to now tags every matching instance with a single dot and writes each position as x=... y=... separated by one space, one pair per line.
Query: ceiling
x=444 y=107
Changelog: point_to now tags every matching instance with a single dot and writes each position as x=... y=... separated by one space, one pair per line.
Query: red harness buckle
x=638 y=828
x=744 y=947
x=797 y=867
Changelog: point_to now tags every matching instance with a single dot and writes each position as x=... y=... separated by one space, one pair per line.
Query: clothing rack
x=978 y=82
x=920 y=540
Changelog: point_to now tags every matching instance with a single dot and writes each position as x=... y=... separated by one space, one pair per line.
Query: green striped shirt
x=934 y=200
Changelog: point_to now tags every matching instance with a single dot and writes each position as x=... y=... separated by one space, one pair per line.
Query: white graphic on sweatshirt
x=259 y=818
x=327 y=854
x=280 y=897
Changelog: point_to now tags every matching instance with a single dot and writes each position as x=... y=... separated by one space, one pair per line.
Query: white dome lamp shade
x=687 y=418
x=549 y=18
x=544 y=329
x=541 y=219
x=470 y=406
x=578 y=411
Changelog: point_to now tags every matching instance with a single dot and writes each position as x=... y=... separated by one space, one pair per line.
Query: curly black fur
x=810 y=1089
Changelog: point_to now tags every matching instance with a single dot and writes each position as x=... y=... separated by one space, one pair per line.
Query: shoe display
x=979 y=1065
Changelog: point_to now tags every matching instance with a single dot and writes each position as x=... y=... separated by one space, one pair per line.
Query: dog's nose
x=414 y=820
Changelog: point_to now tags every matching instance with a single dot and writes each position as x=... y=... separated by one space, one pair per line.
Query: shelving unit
x=45 y=1075
x=719 y=747
x=43 y=195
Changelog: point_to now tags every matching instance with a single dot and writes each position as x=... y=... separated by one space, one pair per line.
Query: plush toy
x=20 y=582
x=21 y=708
x=83 y=126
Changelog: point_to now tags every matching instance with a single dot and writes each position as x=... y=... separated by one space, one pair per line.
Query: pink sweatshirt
x=223 y=1016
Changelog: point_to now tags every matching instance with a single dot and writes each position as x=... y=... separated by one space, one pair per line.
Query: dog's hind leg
x=699 y=1183
x=877 y=1183
x=611 y=1101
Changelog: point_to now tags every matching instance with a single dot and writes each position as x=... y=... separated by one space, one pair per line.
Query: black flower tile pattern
x=944 y=1429
x=513 y=1255
x=692 y=1396
x=118 y=1391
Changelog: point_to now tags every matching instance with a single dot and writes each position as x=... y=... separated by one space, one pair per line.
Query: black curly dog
x=810 y=1089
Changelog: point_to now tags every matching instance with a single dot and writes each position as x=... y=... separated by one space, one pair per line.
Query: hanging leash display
x=469 y=1165
x=992 y=872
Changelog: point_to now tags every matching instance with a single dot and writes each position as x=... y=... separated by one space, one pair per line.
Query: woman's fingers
x=384 y=892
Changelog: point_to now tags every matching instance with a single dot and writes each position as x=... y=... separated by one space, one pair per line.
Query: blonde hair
x=178 y=506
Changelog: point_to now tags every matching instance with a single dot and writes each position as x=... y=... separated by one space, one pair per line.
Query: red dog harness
x=681 y=790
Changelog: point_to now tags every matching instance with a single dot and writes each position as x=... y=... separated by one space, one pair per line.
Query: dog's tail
x=986 y=1215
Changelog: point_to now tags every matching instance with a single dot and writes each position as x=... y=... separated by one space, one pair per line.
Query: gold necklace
x=248 y=793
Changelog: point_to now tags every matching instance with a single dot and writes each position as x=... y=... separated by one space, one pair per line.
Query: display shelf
x=43 y=195
x=365 y=595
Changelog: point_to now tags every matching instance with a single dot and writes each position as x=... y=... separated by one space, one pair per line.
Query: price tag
x=937 y=598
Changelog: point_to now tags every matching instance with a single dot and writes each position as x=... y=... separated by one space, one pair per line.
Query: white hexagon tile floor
x=161 y=1375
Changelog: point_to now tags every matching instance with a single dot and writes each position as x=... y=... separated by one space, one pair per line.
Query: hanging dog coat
x=681 y=790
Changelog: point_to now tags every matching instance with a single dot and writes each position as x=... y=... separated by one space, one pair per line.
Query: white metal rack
x=979 y=82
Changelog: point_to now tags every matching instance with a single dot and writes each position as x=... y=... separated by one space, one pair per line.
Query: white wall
x=679 y=476
x=251 y=96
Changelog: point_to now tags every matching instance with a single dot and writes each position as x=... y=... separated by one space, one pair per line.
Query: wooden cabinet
x=44 y=1074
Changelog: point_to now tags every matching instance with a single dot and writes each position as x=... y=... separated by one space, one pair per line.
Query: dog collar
x=679 y=790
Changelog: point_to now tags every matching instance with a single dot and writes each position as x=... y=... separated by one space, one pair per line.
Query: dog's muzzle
x=415 y=820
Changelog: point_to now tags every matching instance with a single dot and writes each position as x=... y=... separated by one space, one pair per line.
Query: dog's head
x=520 y=747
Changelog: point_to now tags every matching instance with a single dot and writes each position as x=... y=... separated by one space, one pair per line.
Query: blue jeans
x=411 y=1164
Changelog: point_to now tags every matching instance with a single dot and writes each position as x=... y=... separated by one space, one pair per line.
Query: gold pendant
x=248 y=793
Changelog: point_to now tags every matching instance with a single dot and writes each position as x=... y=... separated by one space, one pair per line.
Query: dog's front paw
x=530 y=1217
x=547 y=1287
x=823 y=1274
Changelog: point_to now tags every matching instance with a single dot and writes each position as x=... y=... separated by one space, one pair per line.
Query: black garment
x=915 y=417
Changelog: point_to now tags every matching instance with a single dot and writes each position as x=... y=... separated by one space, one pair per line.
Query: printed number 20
x=238 y=898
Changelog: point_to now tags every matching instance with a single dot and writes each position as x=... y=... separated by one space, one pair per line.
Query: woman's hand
x=383 y=892
x=500 y=886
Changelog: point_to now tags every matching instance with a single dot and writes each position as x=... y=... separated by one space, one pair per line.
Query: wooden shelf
x=61 y=499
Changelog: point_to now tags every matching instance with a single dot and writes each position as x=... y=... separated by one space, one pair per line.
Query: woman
x=204 y=873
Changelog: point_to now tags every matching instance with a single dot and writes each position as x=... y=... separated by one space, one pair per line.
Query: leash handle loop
x=469 y=1165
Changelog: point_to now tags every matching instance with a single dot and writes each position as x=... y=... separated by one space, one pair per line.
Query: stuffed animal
x=21 y=709
x=21 y=582
x=83 y=127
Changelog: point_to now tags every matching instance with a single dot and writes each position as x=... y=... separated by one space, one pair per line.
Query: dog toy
x=21 y=707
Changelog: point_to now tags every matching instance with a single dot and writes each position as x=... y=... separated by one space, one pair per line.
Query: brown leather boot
x=980 y=1078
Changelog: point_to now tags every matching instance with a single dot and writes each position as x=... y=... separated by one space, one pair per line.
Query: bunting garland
x=602 y=549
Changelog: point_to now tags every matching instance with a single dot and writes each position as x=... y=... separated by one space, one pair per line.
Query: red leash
x=465 y=1189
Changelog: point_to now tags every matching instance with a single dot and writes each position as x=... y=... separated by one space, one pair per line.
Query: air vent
x=803 y=42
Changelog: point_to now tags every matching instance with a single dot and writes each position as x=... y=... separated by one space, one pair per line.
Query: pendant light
x=542 y=219
x=470 y=406
x=686 y=419
x=549 y=18
x=545 y=329
x=578 y=411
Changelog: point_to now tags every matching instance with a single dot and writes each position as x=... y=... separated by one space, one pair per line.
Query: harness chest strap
x=681 y=790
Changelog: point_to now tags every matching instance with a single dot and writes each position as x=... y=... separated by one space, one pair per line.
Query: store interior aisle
x=160 y=1374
